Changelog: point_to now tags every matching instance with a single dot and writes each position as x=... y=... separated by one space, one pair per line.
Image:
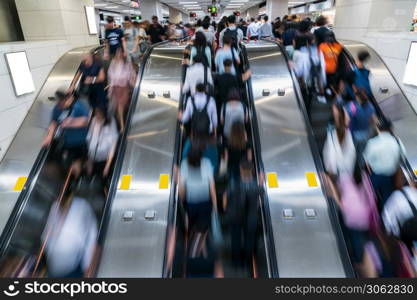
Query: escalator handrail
x=405 y=164
x=27 y=189
x=332 y=208
x=265 y=210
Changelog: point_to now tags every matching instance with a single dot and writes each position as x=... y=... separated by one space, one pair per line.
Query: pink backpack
x=358 y=203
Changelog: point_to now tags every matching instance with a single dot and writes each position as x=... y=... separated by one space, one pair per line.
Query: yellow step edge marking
x=272 y=180
x=163 y=181
x=20 y=183
x=125 y=182
x=311 y=179
x=415 y=172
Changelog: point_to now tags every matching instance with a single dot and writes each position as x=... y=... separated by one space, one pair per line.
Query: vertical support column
x=150 y=8
x=253 y=12
x=276 y=8
x=175 y=16
x=55 y=20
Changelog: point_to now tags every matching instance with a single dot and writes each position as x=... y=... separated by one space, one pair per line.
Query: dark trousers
x=383 y=186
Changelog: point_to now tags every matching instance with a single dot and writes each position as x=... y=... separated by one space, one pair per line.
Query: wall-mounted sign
x=410 y=76
x=91 y=19
x=20 y=73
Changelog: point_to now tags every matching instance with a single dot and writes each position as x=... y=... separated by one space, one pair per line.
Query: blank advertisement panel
x=20 y=73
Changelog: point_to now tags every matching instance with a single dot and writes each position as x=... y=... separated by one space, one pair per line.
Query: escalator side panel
x=136 y=248
x=23 y=151
x=394 y=104
x=304 y=247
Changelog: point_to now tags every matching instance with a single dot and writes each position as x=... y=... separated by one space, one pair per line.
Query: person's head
x=200 y=40
x=259 y=18
x=252 y=20
x=221 y=26
x=200 y=88
x=110 y=20
x=385 y=126
x=339 y=116
x=206 y=24
x=266 y=19
x=88 y=58
x=237 y=136
x=227 y=40
x=246 y=169
x=155 y=20
x=127 y=21
x=194 y=157
x=301 y=41
x=233 y=95
x=330 y=37
x=363 y=56
x=214 y=24
x=321 y=21
x=294 y=18
x=231 y=20
x=66 y=100
x=228 y=65
x=304 y=26
x=361 y=95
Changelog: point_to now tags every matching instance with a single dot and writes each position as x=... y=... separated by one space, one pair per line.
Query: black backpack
x=233 y=34
x=200 y=120
x=409 y=228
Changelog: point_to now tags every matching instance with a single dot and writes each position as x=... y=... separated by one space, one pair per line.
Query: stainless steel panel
x=137 y=248
x=26 y=145
x=304 y=247
x=394 y=103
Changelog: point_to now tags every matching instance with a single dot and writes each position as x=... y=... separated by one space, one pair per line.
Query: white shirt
x=200 y=99
x=302 y=64
x=253 y=30
x=195 y=75
x=397 y=210
x=266 y=30
x=101 y=140
x=383 y=153
x=339 y=158
x=232 y=27
x=71 y=240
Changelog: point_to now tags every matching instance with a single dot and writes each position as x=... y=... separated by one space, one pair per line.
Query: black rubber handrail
x=333 y=209
x=265 y=210
x=26 y=191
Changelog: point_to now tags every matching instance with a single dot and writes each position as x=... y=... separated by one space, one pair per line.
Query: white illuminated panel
x=410 y=76
x=20 y=73
x=91 y=19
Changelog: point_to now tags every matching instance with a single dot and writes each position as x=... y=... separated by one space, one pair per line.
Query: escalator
x=263 y=263
x=308 y=238
x=49 y=182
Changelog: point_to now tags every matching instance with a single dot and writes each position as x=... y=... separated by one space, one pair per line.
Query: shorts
x=75 y=153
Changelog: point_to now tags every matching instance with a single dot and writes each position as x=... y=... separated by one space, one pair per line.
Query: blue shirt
x=114 y=38
x=221 y=56
x=360 y=115
x=73 y=137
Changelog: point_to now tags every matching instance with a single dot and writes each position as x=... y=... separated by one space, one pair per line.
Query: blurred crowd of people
x=217 y=179
x=361 y=155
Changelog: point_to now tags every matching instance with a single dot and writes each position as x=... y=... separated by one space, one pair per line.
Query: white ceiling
x=199 y=6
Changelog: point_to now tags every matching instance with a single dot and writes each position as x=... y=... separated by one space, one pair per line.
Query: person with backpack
x=201 y=48
x=362 y=73
x=233 y=31
x=362 y=119
x=70 y=116
x=227 y=52
x=201 y=111
x=231 y=112
x=241 y=205
x=225 y=83
x=196 y=74
x=331 y=50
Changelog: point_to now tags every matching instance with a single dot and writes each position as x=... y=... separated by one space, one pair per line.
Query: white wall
x=384 y=25
x=51 y=28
